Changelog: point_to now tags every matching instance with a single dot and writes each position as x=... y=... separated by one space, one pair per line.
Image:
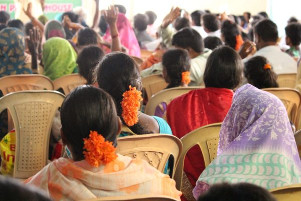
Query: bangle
x=114 y=36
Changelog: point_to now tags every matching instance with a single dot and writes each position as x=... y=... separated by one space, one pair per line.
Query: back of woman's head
x=175 y=62
x=259 y=73
x=223 y=68
x=229 y=32
x=18 y=24
x=237 y=192
x=87 y=36
x=87 y=109
x=54 y=28
x=140 y=22
x=115 y=73
x=87 y=61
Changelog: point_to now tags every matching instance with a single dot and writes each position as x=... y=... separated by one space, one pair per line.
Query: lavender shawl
x=256 y=144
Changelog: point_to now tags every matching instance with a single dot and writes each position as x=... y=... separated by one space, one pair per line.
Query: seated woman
x=59 y=58
x=230 y=34
x=90 y=126
x=260 y=73
x=118 y=74
x=256 y=144
x=176 y=72
x=205 y=106
x=54 y=28
x=12 y=58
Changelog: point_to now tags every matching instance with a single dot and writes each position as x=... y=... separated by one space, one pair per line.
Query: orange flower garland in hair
x=186 y=77
x=130 y=105
x=267 y=66
x=98 y=150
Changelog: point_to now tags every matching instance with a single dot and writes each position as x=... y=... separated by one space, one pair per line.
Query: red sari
x=193 y=110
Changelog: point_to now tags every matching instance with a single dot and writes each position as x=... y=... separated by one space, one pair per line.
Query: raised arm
x=111 y=18
x=96 y=15
x=34 y=21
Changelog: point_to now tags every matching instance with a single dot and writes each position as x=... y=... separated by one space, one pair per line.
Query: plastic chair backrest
x=153 y=84
x=32 y=113
x=291 y=99
x=154 y=148
x=298 y=141
x=69 y=82
x=287 y=193
x=207 y=138
x=165 y=96
x=13 y=83
x=287 y=80
x=135 y=198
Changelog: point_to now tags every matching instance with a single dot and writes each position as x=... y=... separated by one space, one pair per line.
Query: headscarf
x=12 y=46
x=126 y=34
x=256 y=144
x=59 y=58
x=54 y=28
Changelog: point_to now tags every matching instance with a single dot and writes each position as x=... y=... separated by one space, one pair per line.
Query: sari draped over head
x=193 y=110
x=126 y=34
x=64 y=179
x=12 y=58
x=256 y=144
x=54 y=28
x=59 y=58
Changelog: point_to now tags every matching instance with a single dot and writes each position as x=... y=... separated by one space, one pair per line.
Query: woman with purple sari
x=256 y=144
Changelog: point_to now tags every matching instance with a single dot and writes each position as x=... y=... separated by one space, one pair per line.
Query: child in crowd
x=260 y=73
x=176 y=72
x=176 y=68
x=293 y=39
x=212 y=42
x=90 y=127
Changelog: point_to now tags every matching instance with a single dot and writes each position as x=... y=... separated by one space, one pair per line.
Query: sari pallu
x=256 y=144
x=193 y=110
x=59 y=58
x=12 y=58
x=64 y=179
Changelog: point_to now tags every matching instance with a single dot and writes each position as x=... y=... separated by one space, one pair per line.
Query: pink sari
x=126 y=34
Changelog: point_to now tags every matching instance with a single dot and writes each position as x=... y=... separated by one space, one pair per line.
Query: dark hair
x=188 y=38
x=87 y=61
x=28 y=26
x=181 y=22
x=87 y=36
x=196 y=17
x=13 y=190
x=292 y=20
x=140 y=22
x=151 y=17
x=103 y=26
x=212 y=42
x=121 y=8
x=2 y=26
x=267 y=30
x=223 y=68
x=210 y=22
x=264 y=14
x=237 y=192
x=87 y=109
x=229 y=31
x=16 y=24
x=175 y=61
x=258 y=76
x=116 y=71
x=73 y=17
x=248 y=14
x=293 y=32
x=4 y=17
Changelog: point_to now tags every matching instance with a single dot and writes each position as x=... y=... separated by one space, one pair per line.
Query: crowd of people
x=231 y=57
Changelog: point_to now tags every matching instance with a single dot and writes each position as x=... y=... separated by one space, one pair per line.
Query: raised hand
x=246 y=49
x=111 y=15
x=28 y=11
x=171 y=16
